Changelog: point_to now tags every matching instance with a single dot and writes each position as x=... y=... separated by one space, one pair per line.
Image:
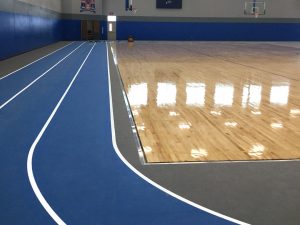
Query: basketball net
x=132 y=11
x=256 y=15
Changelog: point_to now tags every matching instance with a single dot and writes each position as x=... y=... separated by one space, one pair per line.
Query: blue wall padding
x=20 y=33
x=208 y=31
x=71 y=30
x=103 y=25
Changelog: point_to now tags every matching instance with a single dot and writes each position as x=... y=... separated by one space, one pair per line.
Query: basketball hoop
x=132 y=11
x=255 y=8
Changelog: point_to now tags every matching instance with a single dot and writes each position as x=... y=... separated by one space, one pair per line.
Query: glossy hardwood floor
x=211 y=101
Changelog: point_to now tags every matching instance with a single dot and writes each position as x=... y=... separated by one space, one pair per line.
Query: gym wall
x=28 y=24
x=210 y=20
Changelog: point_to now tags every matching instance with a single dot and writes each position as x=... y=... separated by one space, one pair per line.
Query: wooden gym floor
x=213 y=101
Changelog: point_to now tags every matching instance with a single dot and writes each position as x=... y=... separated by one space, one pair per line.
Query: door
x=84 y=30
x=90 y=30
x=111 y=28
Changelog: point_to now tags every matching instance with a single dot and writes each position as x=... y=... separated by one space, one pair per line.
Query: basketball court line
x=138 y=173
x=35 y=80
x=1 y=78
x=221 y=58
x=30 y=174
x=251 y=67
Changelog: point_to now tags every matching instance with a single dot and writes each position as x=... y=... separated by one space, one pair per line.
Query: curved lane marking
x=30 y=174
x=113 y=134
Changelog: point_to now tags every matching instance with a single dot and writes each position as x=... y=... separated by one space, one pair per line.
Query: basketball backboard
x=255 y=8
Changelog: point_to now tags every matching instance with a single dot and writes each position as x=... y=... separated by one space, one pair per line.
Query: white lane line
x=30 y=174
x=113 y=134
x=36 y=61
x=24 y=89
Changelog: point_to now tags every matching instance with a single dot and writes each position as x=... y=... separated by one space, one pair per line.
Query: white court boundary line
x=113 y=135
x=11 y=73
x=36 y=79
x=30 y=174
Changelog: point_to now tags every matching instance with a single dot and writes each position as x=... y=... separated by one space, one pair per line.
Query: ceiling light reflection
x=279 y=95
x=256 y=112
x=141 y=127
x=138 y=94
x=230 y=124
x=195 y=94
x=216 y=113
x=276 y=125
x=171 y=113
x=135 y=112
x=295 y=112
x=257 y=150
x=199 y=153
x=223 y=94
x=166 y=94
x=147 y=149
x=251 y=95
x=185 y=126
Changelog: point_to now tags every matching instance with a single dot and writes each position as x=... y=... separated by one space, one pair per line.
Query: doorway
x=90 y=30
x=112 y=28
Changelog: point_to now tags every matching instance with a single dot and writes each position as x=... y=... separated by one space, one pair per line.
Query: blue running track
x=74 y=163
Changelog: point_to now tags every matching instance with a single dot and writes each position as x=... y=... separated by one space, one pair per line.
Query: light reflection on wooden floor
x=211 y=101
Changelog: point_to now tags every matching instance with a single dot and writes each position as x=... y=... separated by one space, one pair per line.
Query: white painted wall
x=190 y=8
x=204 y=8
x=55 y=5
